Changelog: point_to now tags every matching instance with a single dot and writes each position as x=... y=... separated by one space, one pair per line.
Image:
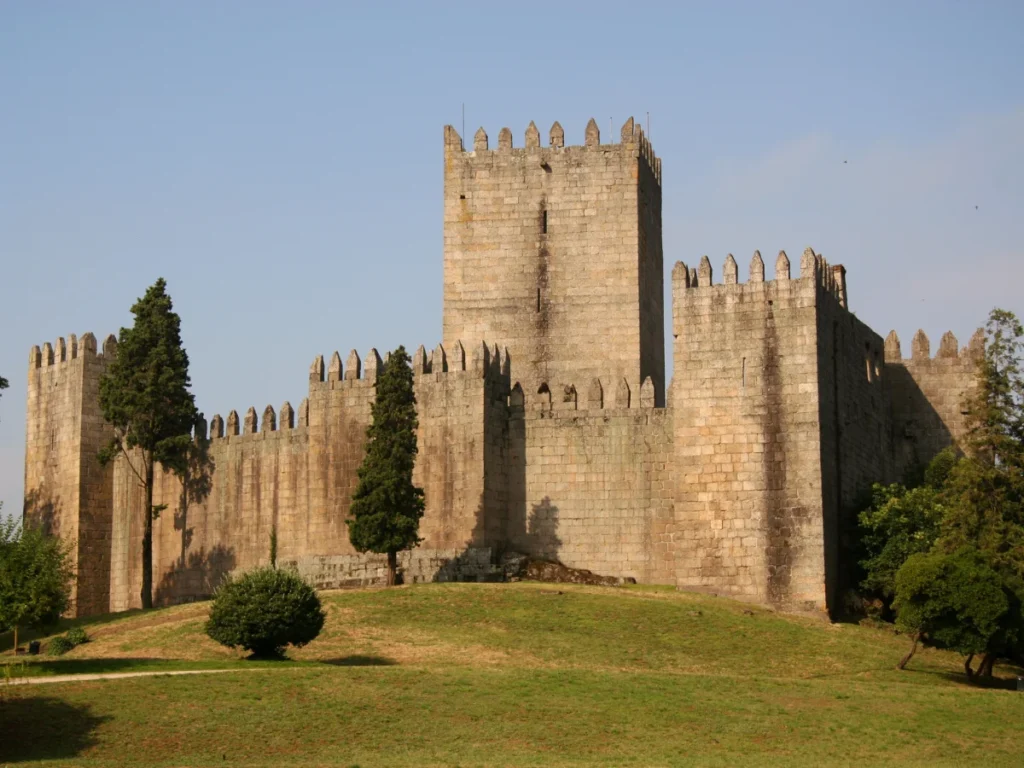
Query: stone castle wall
x=928 y=395
x=295 y=473
x=594 y=490
x=747 y=433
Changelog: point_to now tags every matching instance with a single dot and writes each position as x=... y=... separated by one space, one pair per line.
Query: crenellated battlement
x=255 y=426
x=64 y=351
x=483 y=362
x=830 y=278
x=631 y=139
x=948 y=352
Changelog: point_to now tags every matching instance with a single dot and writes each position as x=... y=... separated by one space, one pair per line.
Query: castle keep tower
x=555 y=252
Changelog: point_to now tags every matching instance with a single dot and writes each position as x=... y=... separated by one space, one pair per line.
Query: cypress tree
x=145 y=396
x=386 y=506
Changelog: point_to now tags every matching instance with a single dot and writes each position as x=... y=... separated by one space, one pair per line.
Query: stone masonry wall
x=747 y=439
x=555 y=252
x=927 y=395
x=595 y=491
x=296 y=472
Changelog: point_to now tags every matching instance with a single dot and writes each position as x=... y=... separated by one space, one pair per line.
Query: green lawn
x=515 y=674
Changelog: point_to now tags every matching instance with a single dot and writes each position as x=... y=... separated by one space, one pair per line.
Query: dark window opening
x=544 y=223
x=538 y=299
x=462 y=197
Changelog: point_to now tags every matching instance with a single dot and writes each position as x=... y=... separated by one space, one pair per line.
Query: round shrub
x=265 y=610
x=77 y=636
x=59 y=645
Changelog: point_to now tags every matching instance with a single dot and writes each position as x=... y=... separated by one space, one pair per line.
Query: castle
x=545 y=424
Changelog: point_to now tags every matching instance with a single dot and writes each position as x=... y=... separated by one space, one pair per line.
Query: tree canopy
x=901 y=522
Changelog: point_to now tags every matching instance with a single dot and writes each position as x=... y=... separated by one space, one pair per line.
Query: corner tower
x=555 y=253
x=67 y=491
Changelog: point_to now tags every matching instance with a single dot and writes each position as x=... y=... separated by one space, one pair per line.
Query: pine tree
x=145 y=396
x=386 y=506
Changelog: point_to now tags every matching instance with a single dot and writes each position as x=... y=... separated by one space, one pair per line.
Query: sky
x=280 y=164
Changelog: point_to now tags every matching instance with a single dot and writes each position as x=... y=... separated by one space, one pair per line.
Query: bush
x=59 y=645
x=77 y=636
x=265 y=610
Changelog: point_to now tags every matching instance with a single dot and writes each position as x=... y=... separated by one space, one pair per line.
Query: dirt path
x=114 y=676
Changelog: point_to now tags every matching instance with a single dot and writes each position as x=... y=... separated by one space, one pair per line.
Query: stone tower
x=555 y=253
x=67 y=492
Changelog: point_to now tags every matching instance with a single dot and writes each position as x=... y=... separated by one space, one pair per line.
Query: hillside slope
x=516 y=674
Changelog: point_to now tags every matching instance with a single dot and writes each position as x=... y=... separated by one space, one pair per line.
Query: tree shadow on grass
x=358 y=660
x=45 y=728
x=990 y=683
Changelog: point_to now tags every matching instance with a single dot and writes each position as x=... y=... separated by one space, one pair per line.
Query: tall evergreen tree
x=145 y=397
x=386 y=506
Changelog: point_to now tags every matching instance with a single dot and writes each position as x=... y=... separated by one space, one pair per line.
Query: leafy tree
x=901 y=522
x=145 y=396
x=35 y=577
x=265 y=610
x=386 y=506
x=953 y=601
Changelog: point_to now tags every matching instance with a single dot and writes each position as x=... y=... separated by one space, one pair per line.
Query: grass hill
x=513 y=674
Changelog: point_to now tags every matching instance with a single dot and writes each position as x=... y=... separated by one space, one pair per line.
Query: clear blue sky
x=280 y=163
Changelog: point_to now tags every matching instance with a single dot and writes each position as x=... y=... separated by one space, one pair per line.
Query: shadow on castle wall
x=195 y=577
x=196 y=484
x=42 y=511
x=918 y=430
